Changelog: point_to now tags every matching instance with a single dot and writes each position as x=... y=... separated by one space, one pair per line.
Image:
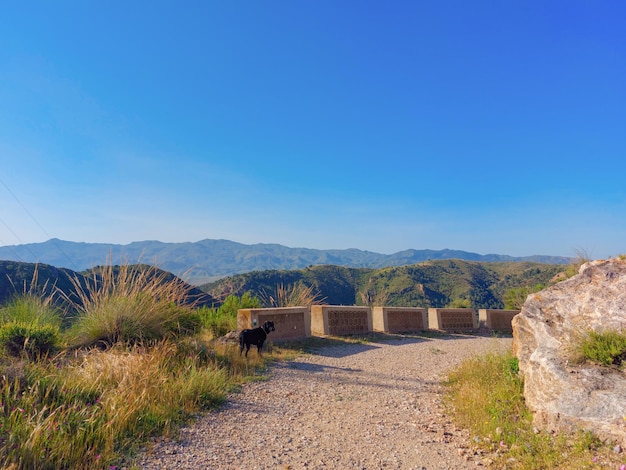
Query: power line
x=38 y=224
x=20 y=240
x=19 y=258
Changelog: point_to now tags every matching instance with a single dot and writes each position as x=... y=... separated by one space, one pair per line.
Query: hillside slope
x=437 y=283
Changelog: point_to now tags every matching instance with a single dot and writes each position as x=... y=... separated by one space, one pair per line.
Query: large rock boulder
x=563 y=394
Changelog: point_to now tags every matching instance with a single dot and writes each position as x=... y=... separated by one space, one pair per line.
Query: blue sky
x=486 y=126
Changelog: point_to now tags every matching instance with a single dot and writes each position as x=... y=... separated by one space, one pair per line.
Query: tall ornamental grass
x=293 y=295
x=130 y=303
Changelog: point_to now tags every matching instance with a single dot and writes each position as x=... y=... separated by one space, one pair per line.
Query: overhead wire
x=19 y=239
x=52 y=239
x=17 y=256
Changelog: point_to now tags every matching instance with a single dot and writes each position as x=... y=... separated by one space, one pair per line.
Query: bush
x=608 y=348
x=29 y=324
x=34 y=340
x=224 y=319
x=514 y=298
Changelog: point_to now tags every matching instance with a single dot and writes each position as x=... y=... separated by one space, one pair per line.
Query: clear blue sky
x=486 y=126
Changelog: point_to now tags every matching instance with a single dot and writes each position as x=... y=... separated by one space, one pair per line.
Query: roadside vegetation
x=606 y=348
x=86 y=379
x=485 y=395
x=133 y=361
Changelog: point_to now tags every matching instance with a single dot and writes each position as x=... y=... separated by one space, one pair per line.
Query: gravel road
x=375 y=405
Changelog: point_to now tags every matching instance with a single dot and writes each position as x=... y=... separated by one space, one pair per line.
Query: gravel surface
x=375 y=405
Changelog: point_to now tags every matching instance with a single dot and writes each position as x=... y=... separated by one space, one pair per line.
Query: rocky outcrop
x=563 y=394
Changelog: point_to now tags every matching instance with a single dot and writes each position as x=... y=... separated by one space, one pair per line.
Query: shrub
x=608 y=348
x=29 y=324
x=224 y=319
x=514 y=298
x=34 y=340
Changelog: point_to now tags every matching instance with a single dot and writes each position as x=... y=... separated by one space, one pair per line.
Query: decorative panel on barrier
x=452 y=319
x=497 y=320
x=290 y=322
x=399 y=319
x=337 y=320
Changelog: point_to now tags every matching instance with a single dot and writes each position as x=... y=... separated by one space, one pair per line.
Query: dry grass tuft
x=293 y=295
x=129 y=303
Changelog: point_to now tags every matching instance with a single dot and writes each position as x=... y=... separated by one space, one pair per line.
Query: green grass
x=30 y=325
x=137 y=364
x=129 y=304
x=607 y=348
x=485 y=395
x=219 y=321
x=93 y=408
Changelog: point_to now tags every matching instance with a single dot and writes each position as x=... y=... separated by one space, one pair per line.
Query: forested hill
x=438 y=283
x=207 y=260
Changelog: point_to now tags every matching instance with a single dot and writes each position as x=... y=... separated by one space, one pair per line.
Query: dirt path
x=353 y=406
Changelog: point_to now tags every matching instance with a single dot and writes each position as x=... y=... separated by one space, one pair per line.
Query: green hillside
x=438 y=283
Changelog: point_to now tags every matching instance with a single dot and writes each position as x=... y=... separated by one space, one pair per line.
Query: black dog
x=256 y=336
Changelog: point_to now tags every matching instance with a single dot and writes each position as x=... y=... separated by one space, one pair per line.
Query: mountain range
x=209 y=260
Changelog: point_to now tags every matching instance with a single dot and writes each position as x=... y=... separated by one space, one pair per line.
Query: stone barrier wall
x=338 y=320
x=453 y=319
x=290 y=322
x=496 y=320
x=399 y=319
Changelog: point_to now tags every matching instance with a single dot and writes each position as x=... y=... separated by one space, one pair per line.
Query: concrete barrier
x=338 y=320
x=290 y=322
x=496 y=320
x=399 y=319
x=452 y=319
